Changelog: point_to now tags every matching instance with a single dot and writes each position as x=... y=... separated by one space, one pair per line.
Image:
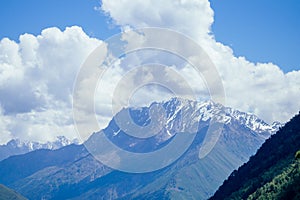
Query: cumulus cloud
x=36 y=83
x=260 y=88
x=192 y=17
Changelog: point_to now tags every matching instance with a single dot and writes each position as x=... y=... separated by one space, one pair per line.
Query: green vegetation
x=8 y=194
x=284 y=186
x=273 y=173
x=297 y=155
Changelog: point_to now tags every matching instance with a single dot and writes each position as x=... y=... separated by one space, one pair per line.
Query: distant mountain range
x=72 y=172
x=274 y=171
x=16 y=146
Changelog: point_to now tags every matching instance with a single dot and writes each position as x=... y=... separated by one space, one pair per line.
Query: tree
x=297 y=155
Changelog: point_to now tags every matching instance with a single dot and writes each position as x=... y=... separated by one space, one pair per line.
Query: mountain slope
x=17 y=167
x=8 y=194
x=273 y=162
x=77 y=175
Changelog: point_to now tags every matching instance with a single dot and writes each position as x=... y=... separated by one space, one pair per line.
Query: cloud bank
x=36 y=83
x=260 y=88
x=37 y=73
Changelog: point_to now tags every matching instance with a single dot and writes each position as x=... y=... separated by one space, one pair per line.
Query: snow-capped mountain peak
x=16 y=146
x=184 y=116
x=60 y=141
x=204 y=111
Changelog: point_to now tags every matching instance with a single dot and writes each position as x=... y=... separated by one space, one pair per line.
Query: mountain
x=8 y=194
x=16 y=146
x=73 y=173
x=272 y=173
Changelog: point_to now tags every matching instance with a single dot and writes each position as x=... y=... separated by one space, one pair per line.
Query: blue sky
x=33 y=16
x=262 y=31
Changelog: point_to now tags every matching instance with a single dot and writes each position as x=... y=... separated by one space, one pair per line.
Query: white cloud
x=192 y=17
x=261 y=88
x=36 y=83
x=4 y=122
